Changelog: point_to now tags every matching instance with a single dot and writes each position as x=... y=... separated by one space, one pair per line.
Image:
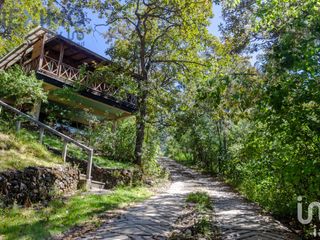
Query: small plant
x=203 y=226
x=202 y=199
x=197 y=222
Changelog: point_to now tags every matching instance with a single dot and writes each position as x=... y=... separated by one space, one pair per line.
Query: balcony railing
x=71 y=75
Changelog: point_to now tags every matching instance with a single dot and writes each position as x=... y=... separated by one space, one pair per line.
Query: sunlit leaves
x=25 y=89
x=17 y=18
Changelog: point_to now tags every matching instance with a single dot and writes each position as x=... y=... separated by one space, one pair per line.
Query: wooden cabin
x=56 y=61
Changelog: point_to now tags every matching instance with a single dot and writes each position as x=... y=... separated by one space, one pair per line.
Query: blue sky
x=97 y=44
x=214 y=28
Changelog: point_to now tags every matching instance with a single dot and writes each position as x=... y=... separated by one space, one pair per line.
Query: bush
x=23 y=88
x=117 y=144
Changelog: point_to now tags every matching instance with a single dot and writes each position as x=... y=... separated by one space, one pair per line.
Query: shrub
x=202 y=199
x=23 y=88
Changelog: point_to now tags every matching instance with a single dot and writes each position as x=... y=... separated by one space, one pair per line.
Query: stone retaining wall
x=110 y=176
x=35 y=184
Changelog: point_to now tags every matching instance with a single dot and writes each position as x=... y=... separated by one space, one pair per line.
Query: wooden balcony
x=70 y=75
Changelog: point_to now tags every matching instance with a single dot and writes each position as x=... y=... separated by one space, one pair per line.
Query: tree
x=158 y=43
x=17 y=19
x=220 y=101
x=279 y=153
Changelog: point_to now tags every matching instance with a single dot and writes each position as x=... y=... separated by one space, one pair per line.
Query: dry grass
x=20 y=151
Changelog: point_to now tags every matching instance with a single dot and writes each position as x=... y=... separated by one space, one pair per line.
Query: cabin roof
x=72 y=49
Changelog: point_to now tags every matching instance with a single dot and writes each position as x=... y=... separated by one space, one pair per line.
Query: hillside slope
x=18 y=151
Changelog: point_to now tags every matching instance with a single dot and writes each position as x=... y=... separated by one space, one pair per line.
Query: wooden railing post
x=18 y=126
x=41 y=135
x=89 y=167
x=64 y=151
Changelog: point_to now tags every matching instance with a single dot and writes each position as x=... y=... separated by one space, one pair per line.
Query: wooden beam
x=74 y=54
x=82 y=59
x=60 y=58
x=37 y=47
x=44 y=38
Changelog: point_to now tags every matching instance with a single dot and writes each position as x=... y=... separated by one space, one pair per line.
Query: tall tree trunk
x=142 y=102
x=140 y=128
x=218 y=127
x=225 y=146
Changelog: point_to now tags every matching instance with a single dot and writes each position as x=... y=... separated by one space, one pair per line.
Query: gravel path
x=154 y=218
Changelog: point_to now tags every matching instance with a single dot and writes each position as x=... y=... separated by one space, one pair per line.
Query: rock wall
x=110 y=176
x=35 y=184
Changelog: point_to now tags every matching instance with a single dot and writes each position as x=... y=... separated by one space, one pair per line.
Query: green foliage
x=202 y=199
x=259 y=129
x=151 y=151
x=74 y=151
x=24 y=88
x=114 y=140
x=17 y=19
x=203 y=227
x=60 y=215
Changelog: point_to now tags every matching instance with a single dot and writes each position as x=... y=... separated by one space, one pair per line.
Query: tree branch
x=177 y=62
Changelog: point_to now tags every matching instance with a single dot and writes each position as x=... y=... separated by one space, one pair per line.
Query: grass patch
x=19 y=223
x=108 y=163
x=77 y=152
x=201 y=199
x=18 y=151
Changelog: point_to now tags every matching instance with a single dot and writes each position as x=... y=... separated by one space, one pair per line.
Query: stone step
x=94 y=184
x=97 y=185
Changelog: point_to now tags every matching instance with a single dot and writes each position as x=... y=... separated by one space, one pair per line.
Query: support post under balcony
x=60 y=58
x=44 y=38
